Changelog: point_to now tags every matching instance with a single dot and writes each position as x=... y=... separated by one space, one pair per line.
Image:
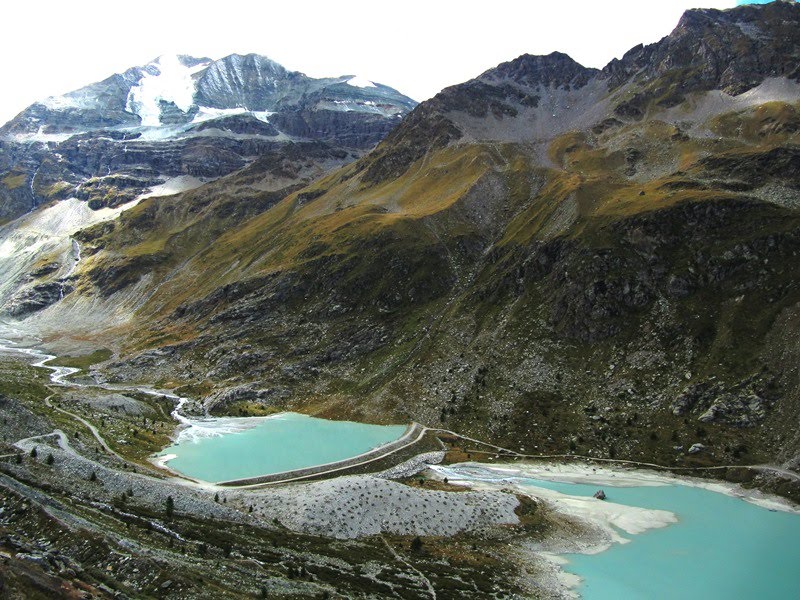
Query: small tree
x=93 y=476
x=19 y=459
x=50 y=460
x=216 y=497
x=170 y=507
x=34 y=453
x=416 y=545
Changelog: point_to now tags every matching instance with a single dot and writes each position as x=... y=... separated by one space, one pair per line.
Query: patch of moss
x=84 y=361
x=14 y=180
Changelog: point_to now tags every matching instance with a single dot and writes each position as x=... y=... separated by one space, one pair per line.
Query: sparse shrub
x=34 y=453
x=50 y=460
x=416 y=545
x=170 y=507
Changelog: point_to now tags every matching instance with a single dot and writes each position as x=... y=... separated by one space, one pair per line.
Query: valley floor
x=84 y=512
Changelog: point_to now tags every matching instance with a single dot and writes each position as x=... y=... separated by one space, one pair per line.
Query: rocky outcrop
x=270 y=397
x=241 y=124
x=745 y=404
x=38 y=297
x=739 y=411
x=732 y=51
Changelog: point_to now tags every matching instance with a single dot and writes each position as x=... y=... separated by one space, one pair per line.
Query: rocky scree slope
x=555 y=258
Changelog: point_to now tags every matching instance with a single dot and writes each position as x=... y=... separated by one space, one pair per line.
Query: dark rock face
x=555 y=70
x=350 y=129
x=36 y=298
x=242 y=124
x=423 y=130
x=750 y=171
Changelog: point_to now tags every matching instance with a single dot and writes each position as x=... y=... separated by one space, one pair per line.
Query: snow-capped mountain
x=182 y=89
x=180 y=116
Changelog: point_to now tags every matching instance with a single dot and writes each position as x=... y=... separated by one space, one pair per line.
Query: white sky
x=418 y=47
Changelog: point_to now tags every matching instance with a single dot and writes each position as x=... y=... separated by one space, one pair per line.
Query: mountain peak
x=555 y=69
x=732 y=50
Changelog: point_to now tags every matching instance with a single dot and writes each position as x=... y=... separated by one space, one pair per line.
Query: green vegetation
x=84 y=361
x=14 y=180
x=22 y=382
x=58 y=190
x=243 y=408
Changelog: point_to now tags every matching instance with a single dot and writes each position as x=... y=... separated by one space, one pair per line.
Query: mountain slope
x=556 y=258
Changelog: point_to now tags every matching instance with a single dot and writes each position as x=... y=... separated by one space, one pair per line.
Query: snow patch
x=207 y=113
x=173 y=185
x=66 y=101
x=66 y=217
x=41 y=136
x=156 y=133
x=173 y=83
x=198 y=429
x=360 y=82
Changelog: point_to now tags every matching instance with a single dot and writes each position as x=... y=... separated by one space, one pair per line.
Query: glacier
x=173 y=83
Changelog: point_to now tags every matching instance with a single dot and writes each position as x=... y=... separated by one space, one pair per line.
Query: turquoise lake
x=228 y=449
x=721 y=548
